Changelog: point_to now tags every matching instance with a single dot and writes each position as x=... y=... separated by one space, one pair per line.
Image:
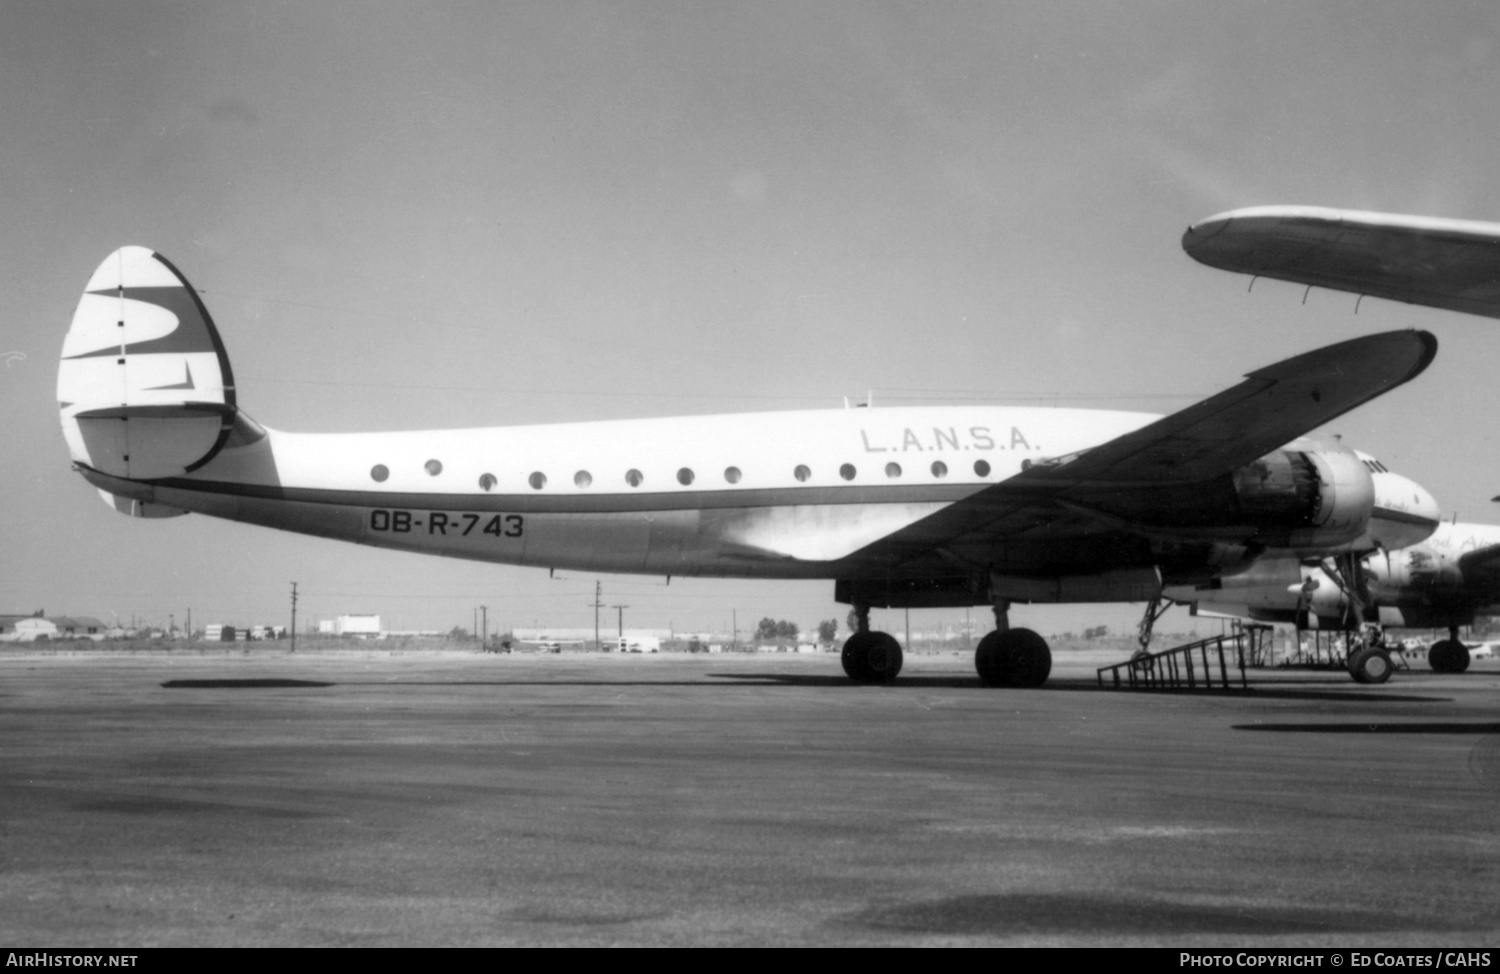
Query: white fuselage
x=790 y=494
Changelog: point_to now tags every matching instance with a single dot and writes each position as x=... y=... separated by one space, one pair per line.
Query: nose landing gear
x=1368 y=661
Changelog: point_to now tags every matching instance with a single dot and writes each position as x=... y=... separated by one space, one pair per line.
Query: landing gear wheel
x=1013 y=658
x=987 y=660
x=1370 y=665
x=1448 y=656
x=872 y=657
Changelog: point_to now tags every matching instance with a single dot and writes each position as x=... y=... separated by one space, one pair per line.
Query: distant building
x=608 y=635
x=79 y=627
x=26 y=629
x=634 y=644
x=353 y=625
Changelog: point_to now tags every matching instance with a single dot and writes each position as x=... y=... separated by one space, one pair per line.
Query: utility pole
x=597 y=604
x=622 y=609
x=484 y=641
x=294 y=617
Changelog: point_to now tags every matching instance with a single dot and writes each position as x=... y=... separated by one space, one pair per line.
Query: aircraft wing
x=1451 y=264
x=1481 y=571
x=1067 y=497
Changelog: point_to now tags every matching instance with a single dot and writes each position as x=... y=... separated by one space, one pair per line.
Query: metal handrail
x=1169 y=668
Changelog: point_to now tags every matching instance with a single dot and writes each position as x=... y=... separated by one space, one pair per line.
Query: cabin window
x=537 y=480
x=939 y=469
x=802 y=473
x=847 y=471
x=982 y=468
x=684 y=476
x=732 y=474
x=379 y=472
x=893 y=470
x=583 y=478
x=633 y=478
x=487 y=481
x=434 y=467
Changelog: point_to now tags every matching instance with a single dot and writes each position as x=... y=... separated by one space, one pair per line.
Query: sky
x=410 y=216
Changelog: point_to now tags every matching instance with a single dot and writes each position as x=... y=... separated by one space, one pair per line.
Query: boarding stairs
x=1189 y=666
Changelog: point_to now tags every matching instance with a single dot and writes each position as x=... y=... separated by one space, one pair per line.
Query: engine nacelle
x=1418 y=572
x=1307 y=497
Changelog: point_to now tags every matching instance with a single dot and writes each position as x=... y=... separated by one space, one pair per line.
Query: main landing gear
x=870 y=657
x=1448 y=655
x=1005 y=658
x=1012 y=657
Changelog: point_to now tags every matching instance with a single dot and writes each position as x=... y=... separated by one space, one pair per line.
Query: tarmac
x=372 y=798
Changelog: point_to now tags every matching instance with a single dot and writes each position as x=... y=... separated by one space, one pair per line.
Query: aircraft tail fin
x=144 y=385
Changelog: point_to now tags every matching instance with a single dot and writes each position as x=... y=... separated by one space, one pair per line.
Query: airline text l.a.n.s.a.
x=939 y=439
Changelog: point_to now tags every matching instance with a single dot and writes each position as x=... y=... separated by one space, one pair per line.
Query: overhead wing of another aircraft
x=1451 y=264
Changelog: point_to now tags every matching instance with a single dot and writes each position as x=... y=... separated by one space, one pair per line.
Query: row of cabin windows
x=685 y=476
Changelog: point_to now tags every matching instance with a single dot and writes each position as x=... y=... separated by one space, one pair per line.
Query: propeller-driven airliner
x=1443 y=582
x=935 y=506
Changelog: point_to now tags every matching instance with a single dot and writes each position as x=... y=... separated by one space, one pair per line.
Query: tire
x=1371 y=665
x=1014 y=658
x=871 y=657
x=1448 y=656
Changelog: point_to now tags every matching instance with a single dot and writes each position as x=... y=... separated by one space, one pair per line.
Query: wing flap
x=1450 y=264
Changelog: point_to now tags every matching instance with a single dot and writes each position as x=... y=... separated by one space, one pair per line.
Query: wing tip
x=1429 y=351
x=1403 y=354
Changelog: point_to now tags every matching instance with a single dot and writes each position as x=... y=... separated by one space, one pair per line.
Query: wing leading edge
x=1450 y=264
x=1272 y=407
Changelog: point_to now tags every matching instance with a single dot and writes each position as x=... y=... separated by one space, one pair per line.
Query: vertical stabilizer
x=144 y=385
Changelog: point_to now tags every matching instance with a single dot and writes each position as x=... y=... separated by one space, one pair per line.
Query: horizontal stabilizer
x=146 y=442
x=1451 y=264
x=135 y=508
